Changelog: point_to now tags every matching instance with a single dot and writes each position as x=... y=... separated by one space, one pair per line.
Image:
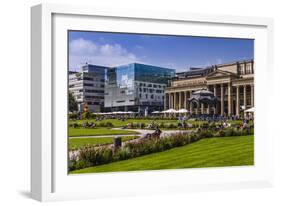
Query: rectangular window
x=88 y=78
x=88 y=85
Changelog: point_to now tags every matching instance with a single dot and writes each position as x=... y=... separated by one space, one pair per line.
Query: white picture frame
x=49 y=181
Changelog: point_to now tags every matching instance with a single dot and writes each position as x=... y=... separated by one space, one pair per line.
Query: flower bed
x=92 y=156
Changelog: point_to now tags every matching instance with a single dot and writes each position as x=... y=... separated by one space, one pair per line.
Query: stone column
x=170 y=101
x=222 y=100
x=238 y=101
x=215 y=90
x=208 y=109
x=229 y=99
x=175 y=99
x=165 y=99
x=185 y=99
x=252 y=95
x=245 y=96
x=202 y=108
x=180 y=106
x=190 y=105
x=215 y=94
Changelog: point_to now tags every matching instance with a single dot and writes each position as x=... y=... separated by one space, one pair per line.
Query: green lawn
x=211 y=152
x=74 y=143
x=119 y=123
x=74 y=132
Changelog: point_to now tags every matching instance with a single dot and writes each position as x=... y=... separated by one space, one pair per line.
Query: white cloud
x=82 y=47
x=82 y=51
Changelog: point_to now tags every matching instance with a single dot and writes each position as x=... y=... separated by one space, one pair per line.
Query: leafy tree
x=73 y=106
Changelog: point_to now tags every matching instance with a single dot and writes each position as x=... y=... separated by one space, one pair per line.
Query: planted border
x=92 y=156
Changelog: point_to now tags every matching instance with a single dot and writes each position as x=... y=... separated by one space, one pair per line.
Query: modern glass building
x=136 y=87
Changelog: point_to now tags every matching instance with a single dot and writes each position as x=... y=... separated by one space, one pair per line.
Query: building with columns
x=232 y=84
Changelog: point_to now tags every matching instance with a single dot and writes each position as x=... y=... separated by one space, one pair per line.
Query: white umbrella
x=155 y=112
x=252 y=110
x=182 y=111
x=119 y=112
x=170 y=111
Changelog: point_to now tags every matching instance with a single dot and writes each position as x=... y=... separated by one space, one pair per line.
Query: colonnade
x=231 y=99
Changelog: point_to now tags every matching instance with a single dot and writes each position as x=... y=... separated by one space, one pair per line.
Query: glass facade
x=98 y=71
x=136 y=86
x=153 y=74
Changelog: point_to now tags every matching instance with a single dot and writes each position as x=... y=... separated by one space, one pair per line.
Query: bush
x=105 y=124
x=77 y=165
x=86 y=115
x=232 y=132
x=205 y=134
x=122 y=154
x=141 y=125
x=73 y=116
x=171 y=125
x=247 y=131
x=162 y=125
x=93 y=116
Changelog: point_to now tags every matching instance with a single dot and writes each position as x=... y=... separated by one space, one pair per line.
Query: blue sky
x=177 y=52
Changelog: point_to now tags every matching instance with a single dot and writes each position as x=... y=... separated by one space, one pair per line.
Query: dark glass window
x=88 y=85
x=88 y=78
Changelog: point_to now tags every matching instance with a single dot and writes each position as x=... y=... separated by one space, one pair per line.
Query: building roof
x=203 y=96
x=197 y=72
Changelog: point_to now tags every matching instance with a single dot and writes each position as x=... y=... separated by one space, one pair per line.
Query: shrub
x=86 y=115
x=142 y=125
x=92 y=115
x=205 y=134
x=247 y=131
x=193 y=137
x=77 y=165
x=162 y=125
x=171 y=125
x=105 y=124
x=73 y=116
x=232 y=132
x=212 y=125
x=122 y=154
x=220 y=133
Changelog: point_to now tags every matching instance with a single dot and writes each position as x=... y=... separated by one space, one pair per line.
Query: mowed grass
x=74 y=132
x=120 y=123
x=75 y=143
x=211 y=152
